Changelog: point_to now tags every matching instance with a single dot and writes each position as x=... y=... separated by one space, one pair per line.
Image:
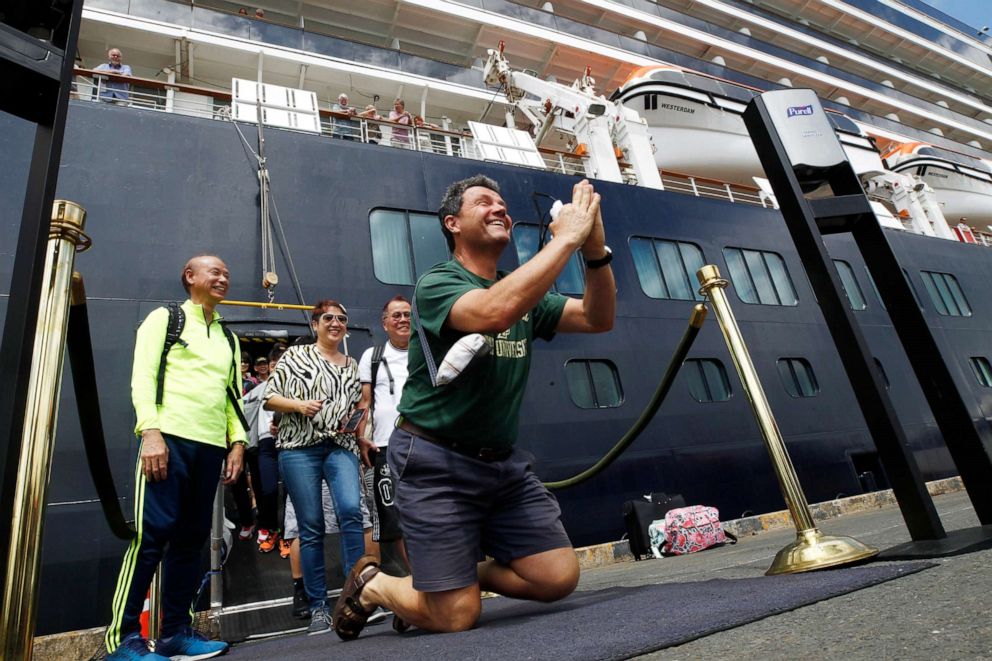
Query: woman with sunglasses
x=316 y=388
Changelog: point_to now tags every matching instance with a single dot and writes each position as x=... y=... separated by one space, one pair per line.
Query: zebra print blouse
x=302 y=373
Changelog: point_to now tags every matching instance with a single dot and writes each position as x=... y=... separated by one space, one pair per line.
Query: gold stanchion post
x=155 y=606
x=20 y=593
x=812 y=549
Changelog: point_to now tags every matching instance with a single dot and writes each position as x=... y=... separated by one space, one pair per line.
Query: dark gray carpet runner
x=615 y=623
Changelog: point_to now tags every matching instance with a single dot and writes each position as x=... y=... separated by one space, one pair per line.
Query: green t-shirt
x=481 y=407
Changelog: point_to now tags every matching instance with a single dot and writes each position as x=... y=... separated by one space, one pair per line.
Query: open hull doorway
x=255 y=599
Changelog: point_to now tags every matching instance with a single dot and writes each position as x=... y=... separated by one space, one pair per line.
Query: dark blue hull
x=159 y=188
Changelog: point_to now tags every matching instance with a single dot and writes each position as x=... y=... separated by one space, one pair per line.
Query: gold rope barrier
x=812 y=549
x=274 y=306
x=20 y=594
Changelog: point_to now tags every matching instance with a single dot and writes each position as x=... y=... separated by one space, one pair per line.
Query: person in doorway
x=262 y=368
x=316 y=388
x=187 y=437
x=248 y=380
x=382 y=370
x=115 y=91
x=268 y=469
x=261 y=461
x=461 y=486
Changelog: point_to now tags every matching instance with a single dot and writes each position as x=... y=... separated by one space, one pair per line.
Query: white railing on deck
x=720 y=190
x=150 y=94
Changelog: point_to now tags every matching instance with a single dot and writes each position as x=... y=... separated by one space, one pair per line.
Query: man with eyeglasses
x=382 y=370
x=115 y=91
x=462 y=488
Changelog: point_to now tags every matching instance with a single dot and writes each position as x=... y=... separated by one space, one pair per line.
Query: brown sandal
x=399 y=624
x=349 y=615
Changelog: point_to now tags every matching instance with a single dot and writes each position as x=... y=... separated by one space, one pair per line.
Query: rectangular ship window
x=571 y=280
x=760 y=277
x=404 y=245
x=593 y=384
x=667 y=269
x=946 y=294
x=797 y=377
x=708 y=381
x=983 y=370
x=855 y=297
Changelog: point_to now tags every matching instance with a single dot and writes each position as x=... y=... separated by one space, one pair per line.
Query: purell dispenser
x=806 y=134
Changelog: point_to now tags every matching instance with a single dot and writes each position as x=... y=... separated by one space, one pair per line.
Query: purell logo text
x=795 y=111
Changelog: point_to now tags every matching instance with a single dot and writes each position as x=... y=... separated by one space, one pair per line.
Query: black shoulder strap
x=177 y=321
x=376 y=362
x=232 y=394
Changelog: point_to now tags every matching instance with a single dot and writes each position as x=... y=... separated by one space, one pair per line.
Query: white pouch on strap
x=460 y=356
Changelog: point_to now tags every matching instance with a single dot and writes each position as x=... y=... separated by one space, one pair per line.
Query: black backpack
x=177 y=321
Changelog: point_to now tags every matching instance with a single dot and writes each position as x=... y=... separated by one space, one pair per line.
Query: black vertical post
x=968 y=443
x=37 y=76
x=840 y=214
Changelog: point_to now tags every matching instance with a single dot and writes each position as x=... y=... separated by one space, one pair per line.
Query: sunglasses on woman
x=328 y=317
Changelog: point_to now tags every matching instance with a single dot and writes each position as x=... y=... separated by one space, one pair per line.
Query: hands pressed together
x=580 y=222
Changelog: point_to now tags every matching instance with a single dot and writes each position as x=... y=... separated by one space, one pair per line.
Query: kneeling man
x=461 y=487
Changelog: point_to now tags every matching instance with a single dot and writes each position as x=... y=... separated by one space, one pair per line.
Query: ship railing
x=563 y=161
x=680 y=182
x=983 y=238
x=151 y=94
x=181 y=98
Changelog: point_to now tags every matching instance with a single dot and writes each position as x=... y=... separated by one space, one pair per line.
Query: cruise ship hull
x=159 y=188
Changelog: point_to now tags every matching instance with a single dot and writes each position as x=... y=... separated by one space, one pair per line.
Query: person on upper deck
x=372 y=117
x=401 y=136
x=461 y=486
x=344 y=128
x=115 y=91
x=187 y=435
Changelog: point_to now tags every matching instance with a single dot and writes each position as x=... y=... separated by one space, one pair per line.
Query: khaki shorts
x=454 y=510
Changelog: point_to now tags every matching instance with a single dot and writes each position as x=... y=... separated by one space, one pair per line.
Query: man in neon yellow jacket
x=188 y=433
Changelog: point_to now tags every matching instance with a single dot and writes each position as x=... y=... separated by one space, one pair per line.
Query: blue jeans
x=302 y=470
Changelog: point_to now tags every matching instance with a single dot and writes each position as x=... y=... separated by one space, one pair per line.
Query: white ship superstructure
x=898 y=72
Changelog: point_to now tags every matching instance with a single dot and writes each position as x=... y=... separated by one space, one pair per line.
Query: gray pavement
x=940 y=613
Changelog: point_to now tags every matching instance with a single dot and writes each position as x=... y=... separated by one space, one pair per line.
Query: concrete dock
x=939 y=613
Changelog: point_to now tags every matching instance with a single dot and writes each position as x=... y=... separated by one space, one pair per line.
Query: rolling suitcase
x=638 y=515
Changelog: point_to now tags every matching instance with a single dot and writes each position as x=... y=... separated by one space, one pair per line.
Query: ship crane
x=913 y=200
x=600 y=124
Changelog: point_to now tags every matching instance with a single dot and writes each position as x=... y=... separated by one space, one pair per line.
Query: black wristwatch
x=602 y=261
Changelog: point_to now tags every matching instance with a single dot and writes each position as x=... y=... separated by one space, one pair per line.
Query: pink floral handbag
x=691 y=529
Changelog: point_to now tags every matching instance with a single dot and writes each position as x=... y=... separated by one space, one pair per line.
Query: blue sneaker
x=190 y=645
x=134 y=648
